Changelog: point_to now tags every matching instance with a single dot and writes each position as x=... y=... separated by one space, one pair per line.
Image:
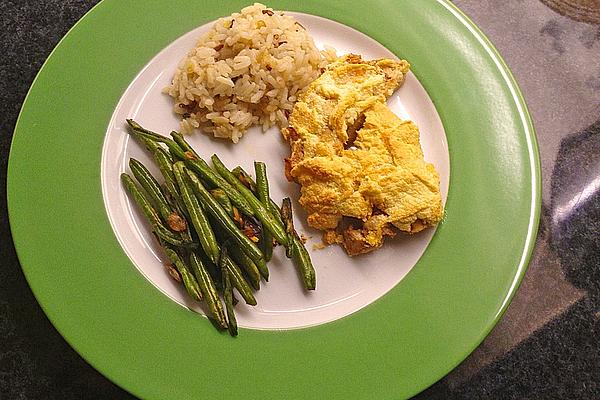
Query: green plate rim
x=124 y=356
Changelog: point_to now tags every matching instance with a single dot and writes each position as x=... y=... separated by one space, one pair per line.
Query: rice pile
x=247 y=70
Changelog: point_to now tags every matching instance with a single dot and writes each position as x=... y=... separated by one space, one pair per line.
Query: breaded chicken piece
x=353 y=157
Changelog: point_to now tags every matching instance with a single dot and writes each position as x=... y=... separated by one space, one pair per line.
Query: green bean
x=196 y=163
x=243 y=176
x=152 y=187
x=138 y=128
x=222 y=198
x=228 y=295
x=239 y=257
x=243 y=259
x=205 y=172
x=262 y=189
x=163 y=160
x=149 y=144
x=263 y=269
x=166 y=235
x=154 y=219
x=170 y=214
x=165 y=164
x=189 y=282
x=260 y=211
x=175 y=150
x=249 y=267
x=212 y=269
x=254 y=271
x=299 y=254
x=141 y=132
x=221 y=217
x=302 y=260
x=228 y=258
x=236 y=275
x=205 y=233
x=140 y=199
x=209 y=291
x=288 y=220
x=185 y=146
x=246 y=223
x=239 y=282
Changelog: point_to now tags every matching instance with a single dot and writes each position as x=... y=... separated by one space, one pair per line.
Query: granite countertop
x=546 y=345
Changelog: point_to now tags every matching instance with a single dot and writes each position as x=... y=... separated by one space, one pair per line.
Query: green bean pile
x=217 y=227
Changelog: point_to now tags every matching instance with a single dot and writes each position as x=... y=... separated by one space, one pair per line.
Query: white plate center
x=344 y=284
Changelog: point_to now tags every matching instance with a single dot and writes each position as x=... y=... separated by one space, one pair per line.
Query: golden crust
x=353 y=157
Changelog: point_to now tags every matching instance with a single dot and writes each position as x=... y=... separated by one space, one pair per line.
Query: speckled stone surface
x=547 y=346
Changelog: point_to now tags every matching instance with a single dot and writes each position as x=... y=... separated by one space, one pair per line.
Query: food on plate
x=295 y=249
x=360 y=167
x=246 y=70
x=212 y=223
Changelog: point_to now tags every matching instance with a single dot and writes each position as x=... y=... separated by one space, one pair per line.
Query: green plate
x=154 y=348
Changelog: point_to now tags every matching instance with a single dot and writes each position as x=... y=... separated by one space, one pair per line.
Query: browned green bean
x=189 y=281
x=152 y=188
x=222 y=198
x=224 y=221
x=165 y=164
x=228 y=294
x=209 y=291
x=151 y=215
x=247 y=181
x=299 y=254
x=288 y=220
x=143 y=133
x=205 y=233
x=260 y=211
x=302 y=260
x=198 y=165
x=239 y=281
x=246 y=263
x=262 y=189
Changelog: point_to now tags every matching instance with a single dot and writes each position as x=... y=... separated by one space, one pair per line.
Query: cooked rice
x=247 y=70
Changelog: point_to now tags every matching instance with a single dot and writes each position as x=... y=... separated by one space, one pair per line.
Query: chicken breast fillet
x=353 y=157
